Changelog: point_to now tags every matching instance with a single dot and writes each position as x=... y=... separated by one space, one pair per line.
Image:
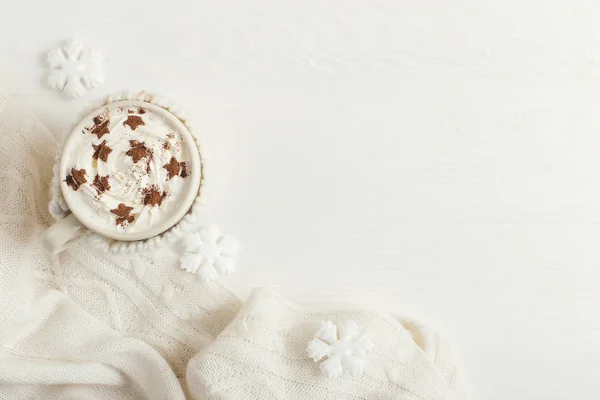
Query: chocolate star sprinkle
x=101 y=184
x=138 y=151
x=134 y=121
x=184 y=172
x=173 y=167
x=76 y=178
x=100 y=127
x=101 y=151
x=153 y=196
x=122 y=213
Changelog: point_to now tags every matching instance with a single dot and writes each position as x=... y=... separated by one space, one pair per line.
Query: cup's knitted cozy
x=88 y=324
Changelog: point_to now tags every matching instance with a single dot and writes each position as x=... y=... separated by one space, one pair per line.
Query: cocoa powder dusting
x=76 y=178
x=122 y=213
x=138 y=151
x=153 y=196
x=133 y=121
x=173 y=167
x=141 y=111
x=101 y=184
x=101 y=151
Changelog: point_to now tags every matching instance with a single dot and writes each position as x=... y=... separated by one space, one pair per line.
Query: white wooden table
x=436 y=159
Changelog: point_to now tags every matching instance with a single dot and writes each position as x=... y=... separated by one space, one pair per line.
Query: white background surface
x=437 y=159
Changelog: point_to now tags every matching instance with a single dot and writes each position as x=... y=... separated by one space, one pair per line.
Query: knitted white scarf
x=93 y=325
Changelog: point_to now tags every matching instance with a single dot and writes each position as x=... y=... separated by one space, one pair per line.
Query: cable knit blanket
x=92 y=325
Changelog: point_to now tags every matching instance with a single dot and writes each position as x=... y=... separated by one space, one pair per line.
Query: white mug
x=126 y=196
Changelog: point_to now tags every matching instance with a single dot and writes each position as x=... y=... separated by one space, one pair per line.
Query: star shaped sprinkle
x=153 y=196
x=76 y=178
x=122 y=213
x=133 y=121
x=101 y=151
x=138 y=151
x=101 y=184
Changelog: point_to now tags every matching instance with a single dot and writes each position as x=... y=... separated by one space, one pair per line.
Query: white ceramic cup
x=69 y=229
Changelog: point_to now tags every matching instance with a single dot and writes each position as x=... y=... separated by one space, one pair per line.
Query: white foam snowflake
x=209 y=254
x=339 y=348
x=74 y=68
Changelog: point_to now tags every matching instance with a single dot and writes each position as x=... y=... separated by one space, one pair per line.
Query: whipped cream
x=128 y=170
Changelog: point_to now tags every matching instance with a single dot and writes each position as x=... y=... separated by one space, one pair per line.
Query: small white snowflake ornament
x=209 y=254
x=339 y=348
x=74 y=68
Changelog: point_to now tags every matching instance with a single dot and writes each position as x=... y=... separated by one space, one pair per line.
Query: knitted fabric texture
x=88 y=324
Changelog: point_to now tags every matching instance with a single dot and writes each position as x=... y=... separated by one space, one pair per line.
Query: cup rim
x=189 y=199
